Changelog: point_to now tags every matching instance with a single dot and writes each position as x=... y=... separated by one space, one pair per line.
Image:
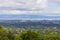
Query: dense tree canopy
x=26 y=35
x=30 y=35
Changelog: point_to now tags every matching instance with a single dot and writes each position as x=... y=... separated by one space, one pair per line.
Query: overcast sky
x=38 y=7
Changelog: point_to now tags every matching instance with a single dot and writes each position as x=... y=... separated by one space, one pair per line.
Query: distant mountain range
x=26 y=16
x=30 y=23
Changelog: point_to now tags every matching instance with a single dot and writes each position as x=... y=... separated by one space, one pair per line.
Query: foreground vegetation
x=13 y=34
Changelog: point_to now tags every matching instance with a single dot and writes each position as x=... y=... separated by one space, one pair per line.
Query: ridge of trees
x=26 y=35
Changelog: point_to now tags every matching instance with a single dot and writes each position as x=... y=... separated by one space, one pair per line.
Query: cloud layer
x=42 y=7
x=22 y=4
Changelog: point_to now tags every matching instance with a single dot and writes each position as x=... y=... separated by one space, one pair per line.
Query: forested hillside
x=29 y=34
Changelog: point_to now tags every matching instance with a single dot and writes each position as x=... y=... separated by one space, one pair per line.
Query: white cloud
x=56 y=0
x=20 y=12
x=38 y=7
x=23 y=4
x=30 y=12
x=11 y=12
